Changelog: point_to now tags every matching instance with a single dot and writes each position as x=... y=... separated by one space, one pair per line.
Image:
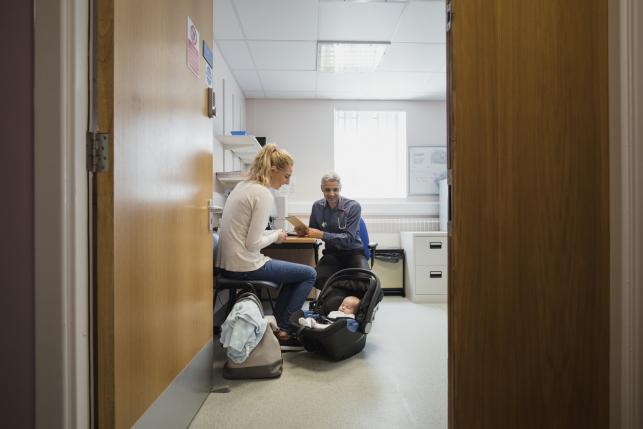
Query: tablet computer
x=294 y=220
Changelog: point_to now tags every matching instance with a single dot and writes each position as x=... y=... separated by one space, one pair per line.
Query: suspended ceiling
x=271 y=47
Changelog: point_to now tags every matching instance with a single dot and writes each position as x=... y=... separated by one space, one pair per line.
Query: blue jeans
x=297 y=280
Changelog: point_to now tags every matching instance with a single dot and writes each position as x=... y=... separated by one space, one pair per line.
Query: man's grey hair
x=331 y=176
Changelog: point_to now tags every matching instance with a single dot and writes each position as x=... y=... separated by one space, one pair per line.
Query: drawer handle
x=435 y=274
x=435 y=245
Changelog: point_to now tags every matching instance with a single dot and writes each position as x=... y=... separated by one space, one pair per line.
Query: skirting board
x=182 y=399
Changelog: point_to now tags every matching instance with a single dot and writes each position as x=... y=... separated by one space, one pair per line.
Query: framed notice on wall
x=426 y=165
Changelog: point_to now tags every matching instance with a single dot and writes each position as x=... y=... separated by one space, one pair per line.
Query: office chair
x=369 y=248
x=233 y=285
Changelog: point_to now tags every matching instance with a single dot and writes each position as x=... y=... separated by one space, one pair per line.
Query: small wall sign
x=193 y=56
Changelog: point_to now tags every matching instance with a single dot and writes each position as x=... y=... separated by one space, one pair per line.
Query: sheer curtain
x=370 y=153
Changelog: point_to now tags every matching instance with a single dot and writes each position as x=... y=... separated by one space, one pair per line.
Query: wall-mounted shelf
x=231 y=178
x=243 y=147
x=234 y=143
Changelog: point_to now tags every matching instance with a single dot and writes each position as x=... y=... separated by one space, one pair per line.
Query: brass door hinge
x=97 y=152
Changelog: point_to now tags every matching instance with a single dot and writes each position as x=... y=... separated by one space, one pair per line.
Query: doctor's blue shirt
x=340 y=225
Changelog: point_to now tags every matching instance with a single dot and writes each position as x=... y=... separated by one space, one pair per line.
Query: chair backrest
x=215 y=247
x=363 y=235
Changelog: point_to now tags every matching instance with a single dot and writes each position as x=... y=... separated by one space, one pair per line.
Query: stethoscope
x=339 y=224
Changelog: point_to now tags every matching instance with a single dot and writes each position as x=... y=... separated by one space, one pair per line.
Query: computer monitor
x=281 y=205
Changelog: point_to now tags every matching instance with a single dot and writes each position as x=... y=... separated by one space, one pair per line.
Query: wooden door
x=529 y=260
x=154 y=257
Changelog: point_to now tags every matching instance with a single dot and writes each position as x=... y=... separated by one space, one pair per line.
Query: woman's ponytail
x=269 y=156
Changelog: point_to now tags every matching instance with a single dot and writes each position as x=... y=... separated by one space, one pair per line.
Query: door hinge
x=449 y=16
x=97 y=152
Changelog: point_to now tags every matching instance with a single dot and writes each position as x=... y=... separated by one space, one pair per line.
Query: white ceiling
x=271 y=47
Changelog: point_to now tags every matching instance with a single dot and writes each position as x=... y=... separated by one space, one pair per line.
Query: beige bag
x=265 y=360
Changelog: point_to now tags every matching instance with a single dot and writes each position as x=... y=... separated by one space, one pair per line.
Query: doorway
x=48 y=329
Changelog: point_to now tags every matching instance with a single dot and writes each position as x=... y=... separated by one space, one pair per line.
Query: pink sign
x=193 y=56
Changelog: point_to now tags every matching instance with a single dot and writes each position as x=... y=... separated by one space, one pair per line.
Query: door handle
x=214 y=214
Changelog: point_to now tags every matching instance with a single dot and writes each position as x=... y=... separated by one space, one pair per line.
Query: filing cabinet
x=426 y=265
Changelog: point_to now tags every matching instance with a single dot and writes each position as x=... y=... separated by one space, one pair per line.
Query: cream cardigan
x=243 y=228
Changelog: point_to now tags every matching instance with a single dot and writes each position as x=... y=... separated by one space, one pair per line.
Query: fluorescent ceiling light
x=339 y=57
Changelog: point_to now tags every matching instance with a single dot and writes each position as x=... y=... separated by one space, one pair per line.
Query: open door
x=153 y=278
x=529 y=240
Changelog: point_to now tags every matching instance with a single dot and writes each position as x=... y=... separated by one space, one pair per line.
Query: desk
x=302 y=250
x=294 y=244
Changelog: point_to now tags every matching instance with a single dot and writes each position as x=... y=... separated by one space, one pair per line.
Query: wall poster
x=426 y=166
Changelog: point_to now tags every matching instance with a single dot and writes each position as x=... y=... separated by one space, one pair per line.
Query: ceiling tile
x=278 y=19
x=236 y=54
x=226 y=24
x=358 y=21
x=248 y=80
x=284 y=55
x=356 y=82
x=288 y=80
x=342 y=95
x=414 y=57
x=290 y=94
x=422 y=22
x=392 y=82
x=372 y=83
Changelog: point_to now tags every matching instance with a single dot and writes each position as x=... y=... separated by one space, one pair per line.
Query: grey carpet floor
x=398 y=381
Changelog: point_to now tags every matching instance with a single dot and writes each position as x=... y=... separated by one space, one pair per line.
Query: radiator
x=386 y=232
x=390 y=226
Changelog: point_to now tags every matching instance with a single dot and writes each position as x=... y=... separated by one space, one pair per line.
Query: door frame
x=61 y=215
x=61 y=33
x=626 y=211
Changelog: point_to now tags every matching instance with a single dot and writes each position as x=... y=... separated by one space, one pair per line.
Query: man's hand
x=315 y=233
x=301 y=231
x=282 y=236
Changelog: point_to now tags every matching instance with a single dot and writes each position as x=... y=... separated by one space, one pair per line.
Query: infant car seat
x=345 y=337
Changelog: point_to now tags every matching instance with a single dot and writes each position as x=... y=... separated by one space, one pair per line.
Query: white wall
x=231 y=115
x=305 y=129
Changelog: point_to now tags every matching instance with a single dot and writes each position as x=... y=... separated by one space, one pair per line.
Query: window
x=370 y=153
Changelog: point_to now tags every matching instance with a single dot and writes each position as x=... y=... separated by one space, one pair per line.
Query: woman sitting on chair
x=335 y=220
x=243 y=234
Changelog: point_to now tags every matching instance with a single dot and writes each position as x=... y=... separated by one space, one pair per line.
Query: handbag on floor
x=265 y=360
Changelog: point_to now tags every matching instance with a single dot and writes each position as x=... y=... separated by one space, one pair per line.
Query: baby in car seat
x=347 y=308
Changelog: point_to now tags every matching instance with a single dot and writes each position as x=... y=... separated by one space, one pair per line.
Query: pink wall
x=16 y=215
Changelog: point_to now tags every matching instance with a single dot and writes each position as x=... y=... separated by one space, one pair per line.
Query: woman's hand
x=301 y=232
x=282 y=236
x=315 y=233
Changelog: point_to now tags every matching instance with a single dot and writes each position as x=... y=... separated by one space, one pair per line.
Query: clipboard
x=294 y=221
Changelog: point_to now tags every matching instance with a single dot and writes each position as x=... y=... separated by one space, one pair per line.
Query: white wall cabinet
x=426 y=265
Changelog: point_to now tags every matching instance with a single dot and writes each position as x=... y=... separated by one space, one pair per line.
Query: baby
x=347 y=308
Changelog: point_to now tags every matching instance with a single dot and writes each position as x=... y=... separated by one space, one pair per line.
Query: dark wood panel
x=529 y=262
x=103 y=341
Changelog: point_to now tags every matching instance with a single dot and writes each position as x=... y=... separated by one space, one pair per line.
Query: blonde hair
x=269 y=156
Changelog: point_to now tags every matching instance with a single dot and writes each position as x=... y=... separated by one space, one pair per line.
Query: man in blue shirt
x=335 y=220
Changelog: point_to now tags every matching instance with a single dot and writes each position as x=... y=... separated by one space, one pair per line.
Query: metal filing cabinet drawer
x=431 y=251
x=431 y=279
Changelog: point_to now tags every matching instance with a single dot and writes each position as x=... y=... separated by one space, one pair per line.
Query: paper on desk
x=294 y=220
